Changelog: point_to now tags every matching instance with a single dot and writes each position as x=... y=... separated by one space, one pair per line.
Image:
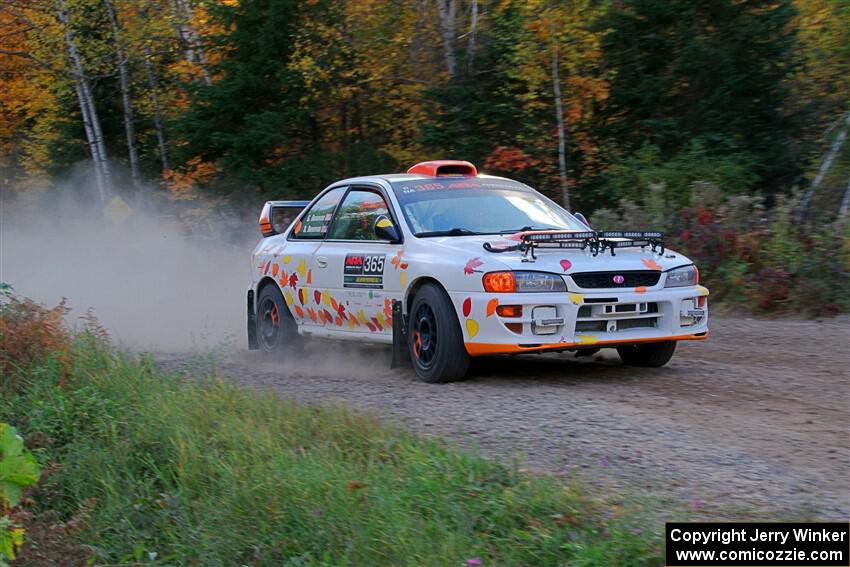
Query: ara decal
x=640 y=289
x=471 y=328
x=566 y=264
x=471 y=265
x=576 y=298
x=275 y=269
x=293 y=280
x=651 y=264
x=491 y=307
x=381 y=321
x=467 y=307
x=396 y=261
x=587 y=339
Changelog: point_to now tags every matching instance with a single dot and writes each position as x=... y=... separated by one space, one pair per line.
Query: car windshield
x=457 y=206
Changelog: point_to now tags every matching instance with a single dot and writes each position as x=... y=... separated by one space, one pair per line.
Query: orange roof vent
x=445 y=168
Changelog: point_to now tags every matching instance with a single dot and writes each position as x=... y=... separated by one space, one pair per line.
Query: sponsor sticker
x=364 y=271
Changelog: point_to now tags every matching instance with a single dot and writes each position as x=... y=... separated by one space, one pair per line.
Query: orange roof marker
x=445 y=168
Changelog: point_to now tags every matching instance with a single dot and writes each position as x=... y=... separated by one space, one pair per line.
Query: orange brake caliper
x=417 y=344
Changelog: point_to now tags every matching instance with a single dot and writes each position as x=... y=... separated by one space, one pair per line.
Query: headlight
x=681 y=277
x=522 y=282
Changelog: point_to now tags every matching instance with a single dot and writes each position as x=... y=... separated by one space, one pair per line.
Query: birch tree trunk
x=127 y=104
x=845 y=203
x=188 y=36
x=473 y=31
x=559 y=116
x=824 y=167
x=447 y=10
x=153 y=84
x=88 y=111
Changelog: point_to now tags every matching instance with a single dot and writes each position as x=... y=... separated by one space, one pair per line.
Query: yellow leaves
x=182 y=181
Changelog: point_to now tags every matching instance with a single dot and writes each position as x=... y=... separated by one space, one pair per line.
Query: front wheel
x=276 y=330
x=649 y=355
x=434 y=338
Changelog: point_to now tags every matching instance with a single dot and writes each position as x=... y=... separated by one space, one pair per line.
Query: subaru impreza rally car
x=447 y=264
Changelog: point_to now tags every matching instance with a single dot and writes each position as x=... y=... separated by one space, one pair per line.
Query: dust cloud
x=166 y=277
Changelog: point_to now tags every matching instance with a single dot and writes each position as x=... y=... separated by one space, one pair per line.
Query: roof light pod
x=445 y=168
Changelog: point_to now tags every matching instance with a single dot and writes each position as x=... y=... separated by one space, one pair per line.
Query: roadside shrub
x=631 y=177
x=29 y=333
x=751 y=258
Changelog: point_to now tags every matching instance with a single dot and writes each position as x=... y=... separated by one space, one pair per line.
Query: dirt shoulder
x=751 y=424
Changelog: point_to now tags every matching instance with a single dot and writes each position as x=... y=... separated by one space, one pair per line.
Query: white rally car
x=447 y=264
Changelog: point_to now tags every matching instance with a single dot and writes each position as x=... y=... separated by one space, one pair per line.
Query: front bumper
x=556 y=321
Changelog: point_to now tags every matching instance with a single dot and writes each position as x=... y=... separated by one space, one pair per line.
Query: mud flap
x=252 y=322
x=401 y=355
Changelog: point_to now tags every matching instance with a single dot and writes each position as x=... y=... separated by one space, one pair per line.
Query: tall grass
x=186 y=472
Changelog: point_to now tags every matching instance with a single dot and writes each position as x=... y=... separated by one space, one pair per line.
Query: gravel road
x=752 y=424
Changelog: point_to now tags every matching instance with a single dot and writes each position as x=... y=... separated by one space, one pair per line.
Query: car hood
x=558 y=260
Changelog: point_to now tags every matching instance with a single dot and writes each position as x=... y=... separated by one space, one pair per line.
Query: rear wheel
x=276 y=330
x=434 y=337
x=650 y=355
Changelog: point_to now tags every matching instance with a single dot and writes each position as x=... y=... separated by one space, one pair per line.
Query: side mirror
x=386 y=230
x=581 y=219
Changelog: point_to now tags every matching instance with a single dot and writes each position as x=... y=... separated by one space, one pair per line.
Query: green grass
x=188 y=472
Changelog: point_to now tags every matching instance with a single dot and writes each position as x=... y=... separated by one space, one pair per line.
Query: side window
x=355 y=218
x=314 y=224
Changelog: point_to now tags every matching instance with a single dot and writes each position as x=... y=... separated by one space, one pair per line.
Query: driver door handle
x=322 y=261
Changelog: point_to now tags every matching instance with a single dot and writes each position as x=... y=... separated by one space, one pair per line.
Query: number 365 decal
x=364 y=271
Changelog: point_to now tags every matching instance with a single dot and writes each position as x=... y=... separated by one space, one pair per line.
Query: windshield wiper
x=450 y=232
x=524 y=229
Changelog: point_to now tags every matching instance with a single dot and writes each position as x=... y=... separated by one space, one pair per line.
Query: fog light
x=509 y=310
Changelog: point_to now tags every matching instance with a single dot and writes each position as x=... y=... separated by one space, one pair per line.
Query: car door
x=352 y=265
x=298 y=262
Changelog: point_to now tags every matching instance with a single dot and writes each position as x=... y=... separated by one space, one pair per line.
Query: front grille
x=636 y=278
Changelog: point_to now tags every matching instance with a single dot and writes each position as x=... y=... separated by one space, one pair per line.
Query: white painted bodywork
x=458 y=263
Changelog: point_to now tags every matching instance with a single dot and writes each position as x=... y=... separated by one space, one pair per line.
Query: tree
x=713 y=70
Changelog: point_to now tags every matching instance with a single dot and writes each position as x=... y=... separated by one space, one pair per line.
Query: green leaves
x=18 y=468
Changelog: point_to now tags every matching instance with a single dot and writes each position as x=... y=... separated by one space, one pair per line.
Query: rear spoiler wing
x=594 y=241
x=276 y=216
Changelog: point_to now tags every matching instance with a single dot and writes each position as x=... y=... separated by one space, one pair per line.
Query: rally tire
x=648 y=355
x=434 y=337
x=277 y=332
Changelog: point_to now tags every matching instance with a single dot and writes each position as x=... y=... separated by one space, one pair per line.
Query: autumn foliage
x=276 y=98
x=29 y=332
